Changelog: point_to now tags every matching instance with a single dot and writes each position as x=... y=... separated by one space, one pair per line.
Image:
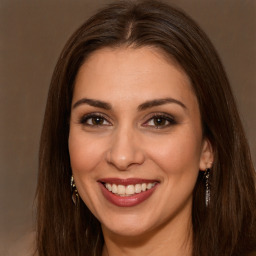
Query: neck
x=173 y=238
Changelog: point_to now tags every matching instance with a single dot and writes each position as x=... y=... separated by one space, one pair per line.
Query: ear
x=207 y=155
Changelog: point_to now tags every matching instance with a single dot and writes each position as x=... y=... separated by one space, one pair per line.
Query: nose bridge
x=125 y=149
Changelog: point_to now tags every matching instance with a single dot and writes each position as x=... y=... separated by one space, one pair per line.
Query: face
x=135 y=140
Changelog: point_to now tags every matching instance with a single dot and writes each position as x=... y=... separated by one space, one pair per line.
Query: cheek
x=85 y=156
x=84 y=153
x=177 y=154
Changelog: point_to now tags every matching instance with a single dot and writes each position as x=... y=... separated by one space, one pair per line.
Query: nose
x=125 y=150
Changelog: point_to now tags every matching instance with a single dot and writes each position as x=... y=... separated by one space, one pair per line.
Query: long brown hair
x=227 y=226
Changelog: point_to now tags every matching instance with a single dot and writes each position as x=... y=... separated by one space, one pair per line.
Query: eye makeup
x=94 y=119
x=153 y=120
x=160 y=121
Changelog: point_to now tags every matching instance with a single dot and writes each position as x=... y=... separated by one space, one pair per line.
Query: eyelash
x=84 y=120
x=162 y=117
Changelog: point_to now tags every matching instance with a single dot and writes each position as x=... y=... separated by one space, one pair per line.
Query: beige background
x=32 y=36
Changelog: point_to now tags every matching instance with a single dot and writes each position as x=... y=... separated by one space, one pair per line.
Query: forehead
x=146 y=69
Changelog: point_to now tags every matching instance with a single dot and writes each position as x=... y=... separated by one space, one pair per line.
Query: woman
x=141 y=124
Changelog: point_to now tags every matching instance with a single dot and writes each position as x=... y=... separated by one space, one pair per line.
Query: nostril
x=124 y=157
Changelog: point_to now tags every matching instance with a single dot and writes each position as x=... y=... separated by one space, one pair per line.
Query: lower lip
x=126 y=201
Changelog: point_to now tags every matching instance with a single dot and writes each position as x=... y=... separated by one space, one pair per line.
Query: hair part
x=227 y=226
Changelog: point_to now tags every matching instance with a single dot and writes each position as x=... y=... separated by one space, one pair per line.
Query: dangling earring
x=207 y=187
x=75 y=196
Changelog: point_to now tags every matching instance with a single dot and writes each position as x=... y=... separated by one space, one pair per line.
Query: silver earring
x=207 y=187
x=75 y=196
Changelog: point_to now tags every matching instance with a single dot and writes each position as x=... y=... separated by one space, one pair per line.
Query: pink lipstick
x=127 y=192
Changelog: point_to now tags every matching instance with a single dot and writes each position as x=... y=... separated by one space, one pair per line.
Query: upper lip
x=125 y=182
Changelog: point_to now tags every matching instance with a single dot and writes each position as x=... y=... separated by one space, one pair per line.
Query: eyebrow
x=93 y=103
x=159 y=102
x=141 y=107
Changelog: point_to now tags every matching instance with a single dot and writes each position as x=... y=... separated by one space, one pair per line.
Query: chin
x=129 y=226
x=126 y=231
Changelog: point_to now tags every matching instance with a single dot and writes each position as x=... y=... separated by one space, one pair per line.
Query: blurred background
x=33 y=34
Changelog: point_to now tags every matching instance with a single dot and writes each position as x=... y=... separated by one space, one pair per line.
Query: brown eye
x=94 y=120
x=97 y=120
x=159 y=121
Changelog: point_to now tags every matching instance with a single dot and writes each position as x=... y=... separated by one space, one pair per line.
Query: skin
x=129 y=143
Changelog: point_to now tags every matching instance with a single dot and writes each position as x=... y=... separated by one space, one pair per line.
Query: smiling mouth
x=129 y=190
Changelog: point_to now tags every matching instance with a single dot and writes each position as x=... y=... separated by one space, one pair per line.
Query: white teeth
x=108 y=186
x=114 y=188
x=121 y=190
x=149 y=185
x=128 y=190
x=137 y=188
x=143 y=186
